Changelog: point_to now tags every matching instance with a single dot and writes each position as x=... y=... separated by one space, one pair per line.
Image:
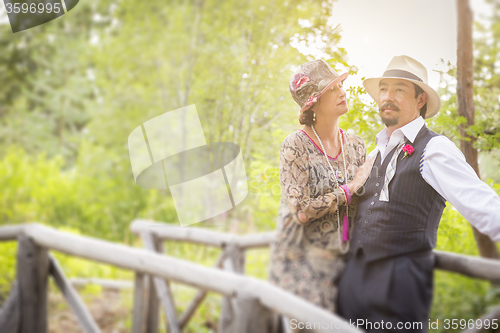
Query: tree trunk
x=465 y=107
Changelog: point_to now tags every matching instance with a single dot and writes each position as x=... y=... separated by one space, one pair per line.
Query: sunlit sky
x=373 y=31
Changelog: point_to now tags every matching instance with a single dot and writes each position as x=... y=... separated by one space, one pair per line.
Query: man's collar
x=409 y=130
x=382 y=136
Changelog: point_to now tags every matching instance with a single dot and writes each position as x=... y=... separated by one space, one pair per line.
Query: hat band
x=402 y=74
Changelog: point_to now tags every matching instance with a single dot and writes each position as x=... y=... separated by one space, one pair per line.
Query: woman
x=313 y=222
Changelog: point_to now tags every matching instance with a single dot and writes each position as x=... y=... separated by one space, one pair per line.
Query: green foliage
x=487 y=80
x=45 y=93
x=457 y=296
x=362 y=118
x=486 y=91
x=193 y=54
x=8 y=272
x=38 y=190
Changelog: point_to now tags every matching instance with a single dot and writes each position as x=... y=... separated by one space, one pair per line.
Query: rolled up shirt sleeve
x=443 y=166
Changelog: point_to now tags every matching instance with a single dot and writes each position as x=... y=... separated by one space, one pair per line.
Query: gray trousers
x=396 y=290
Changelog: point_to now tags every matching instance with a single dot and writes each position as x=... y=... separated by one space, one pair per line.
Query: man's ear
x=422 y=99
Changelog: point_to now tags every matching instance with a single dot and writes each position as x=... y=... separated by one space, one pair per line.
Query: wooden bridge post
x=234 y=262
x=146 y=312
x=159 y=292
x=32 y=276
x=162 y=287
x=140 y=312
x=249 y=316
x=153 y=314
x=10 y=313
x=146 y=305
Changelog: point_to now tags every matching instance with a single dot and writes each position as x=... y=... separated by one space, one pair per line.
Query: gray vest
x=409 y=221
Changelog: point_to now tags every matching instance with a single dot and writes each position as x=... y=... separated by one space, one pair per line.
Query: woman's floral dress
x=305 y=256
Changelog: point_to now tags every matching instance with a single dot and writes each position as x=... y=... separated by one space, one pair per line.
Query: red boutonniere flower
x=408 y=149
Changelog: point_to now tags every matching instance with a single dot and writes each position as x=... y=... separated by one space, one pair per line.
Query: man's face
x=397 y=102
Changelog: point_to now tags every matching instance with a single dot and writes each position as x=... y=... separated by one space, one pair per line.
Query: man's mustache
x=388 y=105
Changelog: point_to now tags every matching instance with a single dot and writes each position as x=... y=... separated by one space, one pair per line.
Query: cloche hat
x=311 y=80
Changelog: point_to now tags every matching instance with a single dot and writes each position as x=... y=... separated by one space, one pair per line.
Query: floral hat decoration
x=311 y=80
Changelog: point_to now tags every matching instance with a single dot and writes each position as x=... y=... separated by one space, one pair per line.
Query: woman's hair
x=306 y=117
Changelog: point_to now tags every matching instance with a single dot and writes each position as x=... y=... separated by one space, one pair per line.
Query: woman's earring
x=314 y=116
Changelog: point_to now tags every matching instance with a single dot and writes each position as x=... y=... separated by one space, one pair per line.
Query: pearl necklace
x=342 y=250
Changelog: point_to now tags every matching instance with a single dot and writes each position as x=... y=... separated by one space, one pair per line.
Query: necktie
x=391 y=171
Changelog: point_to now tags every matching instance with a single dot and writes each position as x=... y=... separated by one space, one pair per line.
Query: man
x=388 y=279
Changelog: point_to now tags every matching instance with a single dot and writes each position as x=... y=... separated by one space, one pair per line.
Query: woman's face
x=333 y=102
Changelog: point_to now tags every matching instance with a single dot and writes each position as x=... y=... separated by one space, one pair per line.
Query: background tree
x=465 y=107
x=46 y=89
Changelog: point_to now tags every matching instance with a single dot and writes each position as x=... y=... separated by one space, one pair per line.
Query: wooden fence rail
x=235 y=245
x=476 y=267
x=164 y=231
x=104 y=283
x=249 y=293
x=247 y=302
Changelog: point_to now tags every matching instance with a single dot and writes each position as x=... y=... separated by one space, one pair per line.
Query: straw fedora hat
x=406 y=68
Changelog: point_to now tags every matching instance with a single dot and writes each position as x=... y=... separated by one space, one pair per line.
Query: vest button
x=364 y=231
x=372 y=203
x=379 y=175
x=366 y=221
x=368 y=212
x=376 y=194
x=378 y=184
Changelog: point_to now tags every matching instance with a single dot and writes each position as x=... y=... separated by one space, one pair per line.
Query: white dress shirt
x=445 y=169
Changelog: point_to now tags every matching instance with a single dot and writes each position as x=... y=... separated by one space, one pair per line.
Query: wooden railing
x=248 y=303
x=231 y=258
x=475 y=267
x=234 y=247
x=254 y=300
